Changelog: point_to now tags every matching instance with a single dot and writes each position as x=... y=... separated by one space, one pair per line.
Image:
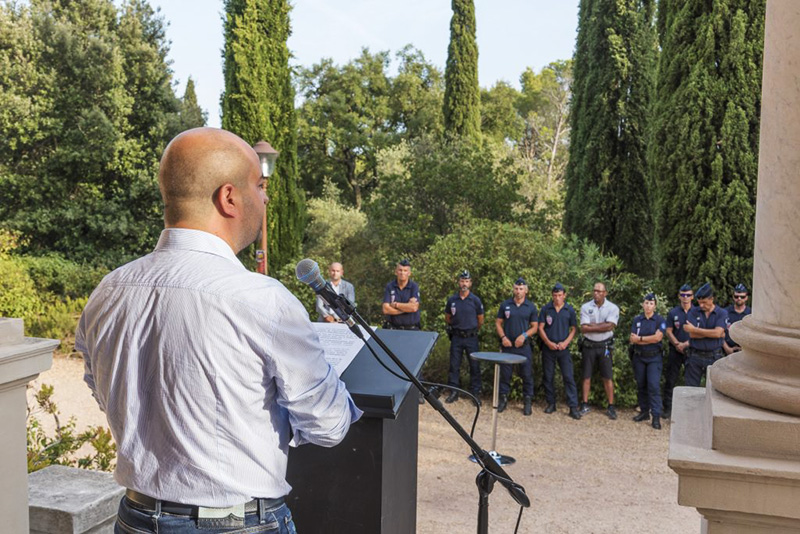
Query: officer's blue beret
x=558 y=287
x=465 y=275
x=650 y=296
x=685 y=287
x=520 y=282
x=741 y=288
x=704 y=291
x=404 y=262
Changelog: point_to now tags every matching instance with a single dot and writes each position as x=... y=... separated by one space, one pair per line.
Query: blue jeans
x=131 y=520
x=526 y=370
x=564 y=359
x=647 y=371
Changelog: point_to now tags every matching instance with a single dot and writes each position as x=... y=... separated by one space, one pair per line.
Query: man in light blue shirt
x=342 y=287
x=207 y=371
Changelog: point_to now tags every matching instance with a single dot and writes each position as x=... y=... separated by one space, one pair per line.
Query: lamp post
x=267 y=155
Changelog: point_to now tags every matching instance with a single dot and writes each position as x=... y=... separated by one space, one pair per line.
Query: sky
x=512 y=35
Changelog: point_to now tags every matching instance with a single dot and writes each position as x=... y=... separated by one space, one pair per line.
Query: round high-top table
x=497 y=358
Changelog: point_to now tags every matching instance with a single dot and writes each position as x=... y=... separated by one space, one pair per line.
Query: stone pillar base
x=737 y=464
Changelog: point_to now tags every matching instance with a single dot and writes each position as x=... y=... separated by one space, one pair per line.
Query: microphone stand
x=491 y=471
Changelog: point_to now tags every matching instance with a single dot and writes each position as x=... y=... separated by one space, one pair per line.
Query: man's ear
x=226 y=200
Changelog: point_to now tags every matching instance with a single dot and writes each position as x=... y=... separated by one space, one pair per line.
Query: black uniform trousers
x=564 y=359
x=697 y=363
x=675 y=360
x=459 y=346
x=526 y=370
x=647 y=372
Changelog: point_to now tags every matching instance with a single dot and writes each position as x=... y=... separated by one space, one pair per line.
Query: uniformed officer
x=647 y=331
x=464 y=315
x=706 y=325
x=678 y=345
x=736 y=312
x=599 y=317
x=515 y=323
x=557 y=325
x=401 y=300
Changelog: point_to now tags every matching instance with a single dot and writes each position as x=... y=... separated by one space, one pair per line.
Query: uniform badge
x=677 y=324
x=638 y=325
x=392 y=295
x=508 y=313
x=549 y=320
x=452 y=309
x=591 y=311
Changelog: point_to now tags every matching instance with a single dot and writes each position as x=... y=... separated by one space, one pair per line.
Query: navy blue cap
x=520 y=282
x=650 y=296
x=465 y=275
x=740 y=288
x=404 y=262
x=704 y=291
x=685 y=287
x=558 y=287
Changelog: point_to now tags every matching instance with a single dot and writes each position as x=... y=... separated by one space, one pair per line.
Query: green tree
x=607 y=191
x=500 y=117
x=462 y=94
x=191 y=115
x=704 y=149
x=258 y=103
x=87 y=106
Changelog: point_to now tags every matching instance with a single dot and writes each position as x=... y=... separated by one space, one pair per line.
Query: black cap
x=558 y=287
x=704 y=291
x=685 y=287
x=404 y=262
x=740 y=288
x=464 y=275
x=520 y=282
x=650 y=296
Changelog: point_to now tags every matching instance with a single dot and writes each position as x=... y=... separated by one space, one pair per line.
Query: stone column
x=21 y=360
x=736 y=444
x=767 y=372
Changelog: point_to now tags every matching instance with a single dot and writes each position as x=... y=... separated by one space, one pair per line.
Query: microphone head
x=307 y=271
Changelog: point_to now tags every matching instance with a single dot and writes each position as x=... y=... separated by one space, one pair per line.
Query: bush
x=62 y=277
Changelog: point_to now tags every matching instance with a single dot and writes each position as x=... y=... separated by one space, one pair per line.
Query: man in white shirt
x=341 y=287
x=599 y=317
x=206 y=371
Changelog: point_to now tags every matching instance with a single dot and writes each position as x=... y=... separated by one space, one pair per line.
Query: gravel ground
x=588 y=476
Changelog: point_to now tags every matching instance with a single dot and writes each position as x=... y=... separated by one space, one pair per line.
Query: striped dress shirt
x=206 y=371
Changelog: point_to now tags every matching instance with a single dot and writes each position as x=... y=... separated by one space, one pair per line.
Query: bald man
x=206 y=371
x=342 y=287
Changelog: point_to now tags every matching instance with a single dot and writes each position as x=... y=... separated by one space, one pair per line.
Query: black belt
x=596 y=344
x=141 y=501
x=706 y=353
x=465 y=333
x=390 y=326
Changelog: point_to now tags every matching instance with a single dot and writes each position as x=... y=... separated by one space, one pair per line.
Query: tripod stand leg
x=485 y=483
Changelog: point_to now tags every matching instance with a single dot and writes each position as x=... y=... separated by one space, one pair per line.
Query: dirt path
x=589 y=476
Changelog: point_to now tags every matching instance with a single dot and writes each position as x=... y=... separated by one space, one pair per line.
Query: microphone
x=307 y=271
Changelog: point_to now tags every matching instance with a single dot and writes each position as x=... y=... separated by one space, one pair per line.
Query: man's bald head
x=194 y=165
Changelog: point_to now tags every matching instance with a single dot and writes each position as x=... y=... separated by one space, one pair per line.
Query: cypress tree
x=607 y=192
x=704 y=151
x=258 y=103
x=461 y=107
x=192 y=115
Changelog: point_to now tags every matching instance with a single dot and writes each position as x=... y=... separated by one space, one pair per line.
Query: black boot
x=452 y=397
x=644 y=416
x=527 y=409
x=574 y=413
x=656 y=422
x=503 y=403
x=550 y=408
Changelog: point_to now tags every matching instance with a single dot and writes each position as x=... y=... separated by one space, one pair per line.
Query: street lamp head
x=267 y=155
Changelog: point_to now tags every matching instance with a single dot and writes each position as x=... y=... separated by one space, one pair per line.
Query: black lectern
x=368 y=483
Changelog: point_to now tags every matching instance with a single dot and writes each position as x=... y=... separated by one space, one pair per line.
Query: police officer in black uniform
x=706 y=325
x=401 y=300
x=557 y=325
x=736 y=312
x=678 y=345
x=515 y=324
x=647 y=331
x=464 y=315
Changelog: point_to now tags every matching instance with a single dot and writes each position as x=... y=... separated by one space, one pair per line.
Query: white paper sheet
x=339 y=343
